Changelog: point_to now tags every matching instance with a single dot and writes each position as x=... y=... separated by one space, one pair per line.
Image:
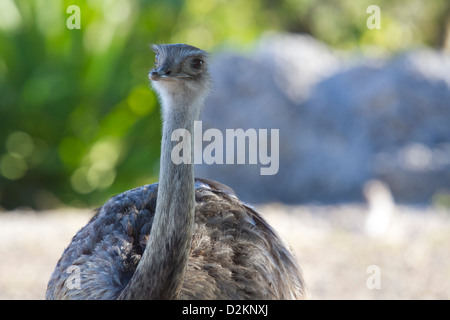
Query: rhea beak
x=155 y=75
x=160 y=73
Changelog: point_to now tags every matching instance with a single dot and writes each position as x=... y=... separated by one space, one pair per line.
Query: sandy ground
x=409 y=257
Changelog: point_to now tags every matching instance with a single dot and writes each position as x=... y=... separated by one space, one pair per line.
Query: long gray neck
x=160 y=272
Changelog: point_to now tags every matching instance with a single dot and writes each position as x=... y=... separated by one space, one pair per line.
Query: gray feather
x=234 y=254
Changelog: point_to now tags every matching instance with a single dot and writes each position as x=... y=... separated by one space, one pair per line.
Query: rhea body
x=183 y=238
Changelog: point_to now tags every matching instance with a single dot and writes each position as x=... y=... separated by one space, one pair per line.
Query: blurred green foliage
x=78 y=121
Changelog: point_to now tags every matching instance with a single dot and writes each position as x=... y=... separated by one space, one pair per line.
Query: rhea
x=183 y=238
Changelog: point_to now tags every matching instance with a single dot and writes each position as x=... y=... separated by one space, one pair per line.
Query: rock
x=340 y=124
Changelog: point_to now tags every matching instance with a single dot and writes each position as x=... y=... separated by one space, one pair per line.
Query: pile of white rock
x=342 y=121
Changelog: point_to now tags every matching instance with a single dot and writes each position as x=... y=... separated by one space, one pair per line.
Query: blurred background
x=363 y=114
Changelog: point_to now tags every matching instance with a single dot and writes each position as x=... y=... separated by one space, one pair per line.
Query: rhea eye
x=197 y=64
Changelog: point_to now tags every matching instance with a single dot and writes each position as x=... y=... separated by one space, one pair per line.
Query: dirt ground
x=407 y=258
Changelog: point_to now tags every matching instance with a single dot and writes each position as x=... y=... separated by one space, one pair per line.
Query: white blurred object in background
x=381 y=207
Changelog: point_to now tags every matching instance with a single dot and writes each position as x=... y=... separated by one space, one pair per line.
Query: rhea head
x=180 y=75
